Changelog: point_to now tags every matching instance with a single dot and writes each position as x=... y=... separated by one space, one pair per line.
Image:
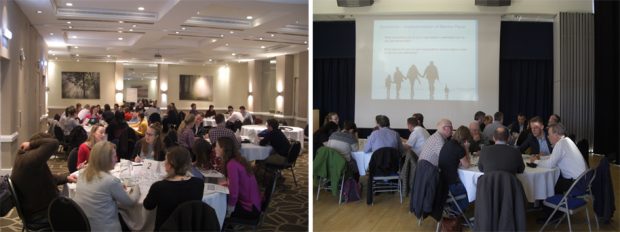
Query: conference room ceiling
x=169 y=31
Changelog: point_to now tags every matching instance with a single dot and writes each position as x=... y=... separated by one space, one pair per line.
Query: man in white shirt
x=247 y=116
x=82 y=114
x=565 y=156
x=234 y=116
x=417 y=137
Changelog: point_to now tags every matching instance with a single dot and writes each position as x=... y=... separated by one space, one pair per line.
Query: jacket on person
x=500 y=203
x=532 y=142
x=329 y=164
x=429 y=194
x=603 y=190
x=383 y=162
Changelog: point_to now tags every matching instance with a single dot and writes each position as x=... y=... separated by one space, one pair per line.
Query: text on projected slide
x=425 y=60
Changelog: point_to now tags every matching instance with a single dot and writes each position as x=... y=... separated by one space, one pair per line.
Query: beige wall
x=231 y=90
x=106 y=81
x=152 y=86
x=22 y=85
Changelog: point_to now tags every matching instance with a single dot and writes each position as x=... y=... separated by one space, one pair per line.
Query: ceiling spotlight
x=52 y=33
x=234 y=54
x=78 y=60
x=261 y=38
x=121 y=21
x=176 y=32
x=197 y=12
x=76 y=47
x=68 y=22
x=226 y=44
x=249 y=17
x=183 y=28
x=120 y=31
x=77 y=55
x=39 y=12
x=133 y=25
x=69 y=4
x=210 y=60
x=263 y=47
x=130 y=29
x=120 y=38
x=305 y=42
x=74 y=37
x=232 y=32
x=213 y=40
x=140 y=8
x=108 y=56
x=221 y=35
x=70 y=27
x=272 y=35
x=55 y=58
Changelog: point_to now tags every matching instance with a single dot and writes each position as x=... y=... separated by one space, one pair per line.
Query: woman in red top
x=97 y=134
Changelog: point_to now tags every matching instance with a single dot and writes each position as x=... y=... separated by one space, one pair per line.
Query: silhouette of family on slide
x=430 y=73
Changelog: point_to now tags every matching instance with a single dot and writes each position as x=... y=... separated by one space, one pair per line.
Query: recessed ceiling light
x=121 y=21
x=226 y=44
x=272 y=35
x=69 y=4
x=78 y=60
x=263 y=47
x=232 y=32
x=74 y=37
x=70 y=27
x=213 y=40
x=52 y=33
x=210 y=60
x=140 y=8
x=130 y=29
x=68 y=22
x=305 y=42
x=249 y=17
x=261 y=38
x=197 y=12
x=234 y=54
x=183 y=28
x=55 y=58
x=120 y=31
x=76 y=47
x=120 y=38
x=39 y=12
x=133 y=25
x=53 y=54
x=77 y=55
x=108 y=56
x=176 y=32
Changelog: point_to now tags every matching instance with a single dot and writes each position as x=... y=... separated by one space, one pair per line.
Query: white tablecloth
x=291 y=132
x=208 y=122
x=140 y=219
x=538 y=183
x=255 y=152
x=362 y=159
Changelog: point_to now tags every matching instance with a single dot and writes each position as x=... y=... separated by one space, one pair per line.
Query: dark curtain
x=334 y=69
x=607 y=72
x=526 y=70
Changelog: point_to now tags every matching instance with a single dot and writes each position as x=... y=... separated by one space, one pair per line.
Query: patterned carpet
x=288 y=210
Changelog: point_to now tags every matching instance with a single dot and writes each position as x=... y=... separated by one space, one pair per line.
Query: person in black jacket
x=537 y=138
x=276 y=138
x=455 y=153
x=500 y=157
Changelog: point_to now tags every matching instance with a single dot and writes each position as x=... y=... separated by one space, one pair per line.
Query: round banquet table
x=255 y=152
x=208 y=122
x=140 y=219
x=291 y=132
x=538 y=183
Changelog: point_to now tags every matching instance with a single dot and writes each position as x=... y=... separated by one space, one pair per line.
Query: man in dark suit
x=537 y=141
x=276 y=138
x=520 y=125
x=500 y=157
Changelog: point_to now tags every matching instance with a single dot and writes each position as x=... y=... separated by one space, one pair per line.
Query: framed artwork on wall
x=80 y=85
x=196 y=87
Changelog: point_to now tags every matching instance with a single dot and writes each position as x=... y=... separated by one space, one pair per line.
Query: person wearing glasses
x=432 y=146
x=151 y=146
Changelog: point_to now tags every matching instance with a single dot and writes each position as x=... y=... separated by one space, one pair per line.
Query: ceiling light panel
x=106 y=15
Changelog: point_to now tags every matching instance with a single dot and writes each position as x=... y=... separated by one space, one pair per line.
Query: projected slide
x=424 y=60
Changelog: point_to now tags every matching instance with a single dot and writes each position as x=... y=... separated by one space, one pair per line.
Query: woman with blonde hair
x=151 y=146
x=178 y=187
x=186 y=135
x=98 y=192
x=97 y=134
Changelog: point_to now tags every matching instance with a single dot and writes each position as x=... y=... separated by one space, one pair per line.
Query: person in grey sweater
x=98 y=192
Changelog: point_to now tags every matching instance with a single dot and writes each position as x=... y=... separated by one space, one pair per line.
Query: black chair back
x=66 y=215
x=77 y=136
x=72 y=160
x=293 y=153
x=16 y=202
x=59 y=134
x=192 y=216
x=583 y=147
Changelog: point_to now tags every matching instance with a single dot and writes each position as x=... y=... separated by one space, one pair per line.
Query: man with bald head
x=501 y=157
x=432 y=146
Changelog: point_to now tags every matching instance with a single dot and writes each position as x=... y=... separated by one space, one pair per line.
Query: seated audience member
x=186 y=135
x=81 y=114
x=99 y=193
x=554 y=119
x=244 y=200
x=171 y=119
x=35 y=184
x=344 y=141
x=107 y=114
x=141 y=124
x=97 y=134
x=434 y=143
x=487 y=120
x=479 y=117
x=520 y=125
x=93 y=116
x=276 y=138
x=455 y=154
x=210 y=112
x=221 y=131
x=565 y=156
x=383 y=137
x=128 y=115
x=501 y=156
x=193 y=110
x=151 y=146
x=247 y=116
x=235 y=116
x=332 y=117
x=202 y=150
x=322 y=134
x=176 y=188
x=420 y=118
x=537 y=140
x=70 y=122
x=498 y=122
x=477 y=139
x=198 y=129
x=152 y=109
x=417 y=137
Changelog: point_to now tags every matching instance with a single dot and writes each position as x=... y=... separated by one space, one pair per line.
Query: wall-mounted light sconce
x=279 y=94
x=250 y=93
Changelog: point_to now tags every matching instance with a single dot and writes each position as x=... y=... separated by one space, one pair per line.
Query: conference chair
x=500 y=203
x=277 y=163
x=572 y=201
x=72 y=160
x=329 y=168
x=383 y=173
x=256 y=222
x=192 y=216
x=66 y=215
x=26 y=224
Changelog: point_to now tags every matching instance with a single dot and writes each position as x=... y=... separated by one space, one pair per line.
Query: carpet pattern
x=288 y=210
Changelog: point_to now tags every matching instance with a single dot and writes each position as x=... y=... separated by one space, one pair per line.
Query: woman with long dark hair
x=151 y=146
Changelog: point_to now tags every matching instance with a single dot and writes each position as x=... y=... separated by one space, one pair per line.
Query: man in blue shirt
x=383 y=137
